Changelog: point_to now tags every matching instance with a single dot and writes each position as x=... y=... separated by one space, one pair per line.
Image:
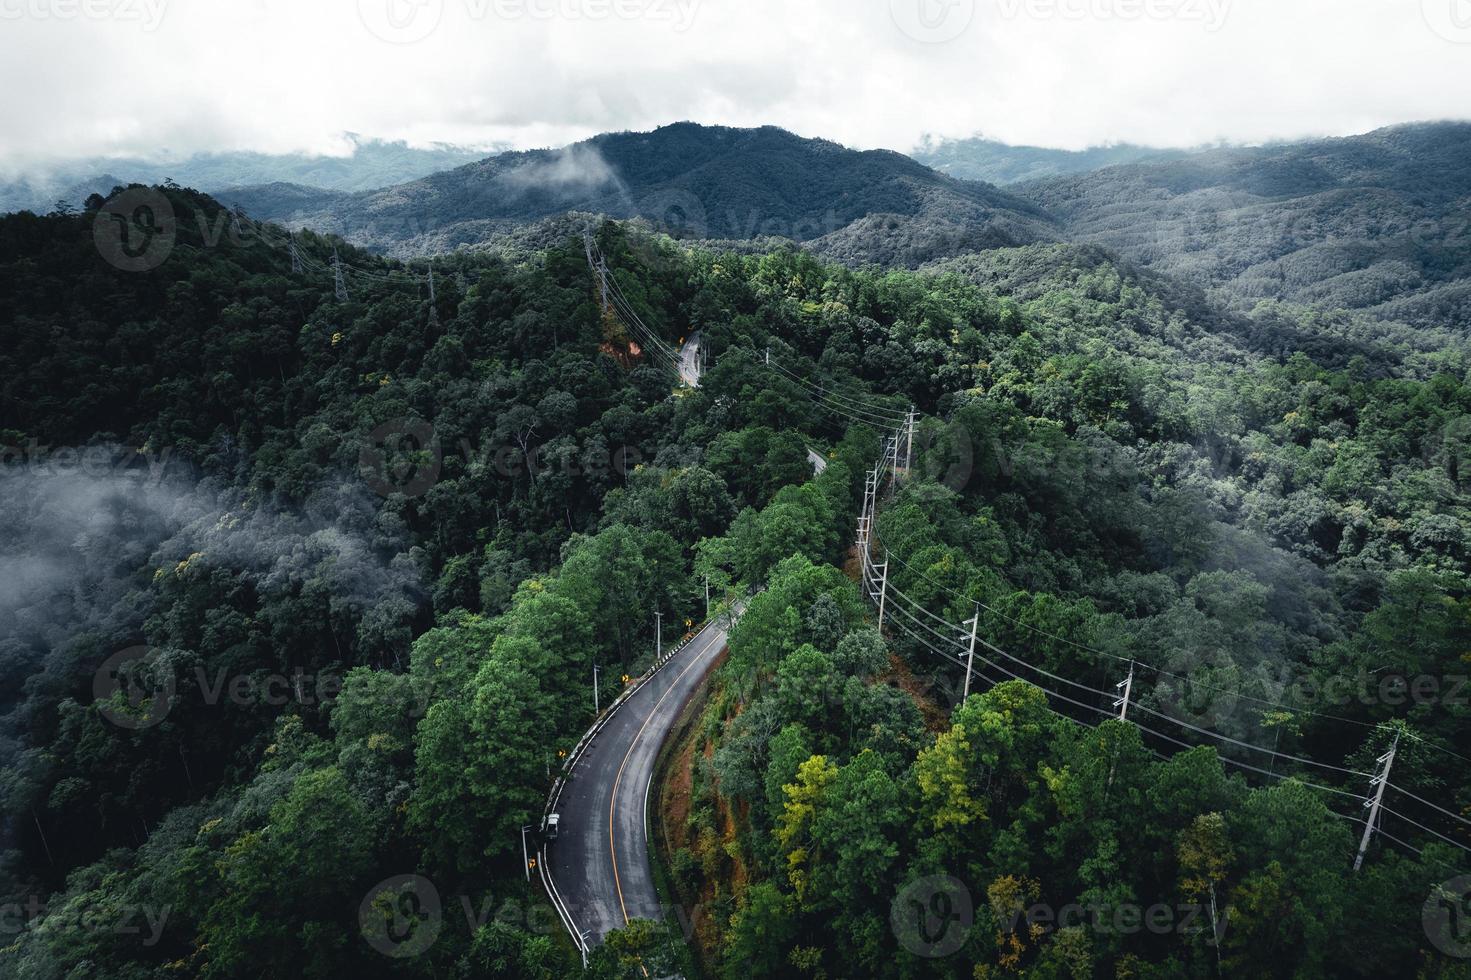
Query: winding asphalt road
x=689 y=361
x=599 y=863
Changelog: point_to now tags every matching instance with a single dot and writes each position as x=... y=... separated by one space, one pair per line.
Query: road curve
x=599 y=864
x=689 y=361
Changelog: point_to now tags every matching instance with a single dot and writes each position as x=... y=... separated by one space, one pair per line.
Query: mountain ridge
x=696 y=181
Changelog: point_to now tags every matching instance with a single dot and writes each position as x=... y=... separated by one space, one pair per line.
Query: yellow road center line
x=612 y=842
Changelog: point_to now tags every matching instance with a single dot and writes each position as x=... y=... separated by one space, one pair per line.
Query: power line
x=1432 y=806
x=1435 y=833
x=885 y=413
x=1113 y=656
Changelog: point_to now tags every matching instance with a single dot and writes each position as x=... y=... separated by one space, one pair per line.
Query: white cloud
x=89 y=77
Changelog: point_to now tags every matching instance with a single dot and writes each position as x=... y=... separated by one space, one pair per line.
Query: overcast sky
x=151 y=77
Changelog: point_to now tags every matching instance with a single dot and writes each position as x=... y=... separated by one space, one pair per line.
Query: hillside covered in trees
x=1379 y=222
x=374 y=546
x=696 y=181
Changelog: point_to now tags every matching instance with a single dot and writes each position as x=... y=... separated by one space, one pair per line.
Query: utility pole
x=768 y=357
x=1127 y=687
x=525 y=858
x=596 y=707
x=975 y=624
x=1377 y=784
x=658 y=636
x=707 y=598
x=338 y=282
x=883 y=592
x=909 y=442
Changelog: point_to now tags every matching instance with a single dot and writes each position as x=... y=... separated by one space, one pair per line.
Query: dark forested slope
x=699 y=181
x=995 y=162
x=1379 y=222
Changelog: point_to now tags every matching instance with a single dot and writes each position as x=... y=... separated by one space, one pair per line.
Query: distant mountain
x=1001 y=163
x=372 y=163
x=696 y=181
x=1379 y=222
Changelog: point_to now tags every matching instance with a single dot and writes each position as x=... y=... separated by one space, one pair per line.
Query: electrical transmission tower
x=295 y=255
x=338 y=282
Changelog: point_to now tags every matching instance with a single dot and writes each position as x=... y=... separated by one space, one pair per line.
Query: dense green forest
x=1377 y=222
x=409 y=528
x=698 y=181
